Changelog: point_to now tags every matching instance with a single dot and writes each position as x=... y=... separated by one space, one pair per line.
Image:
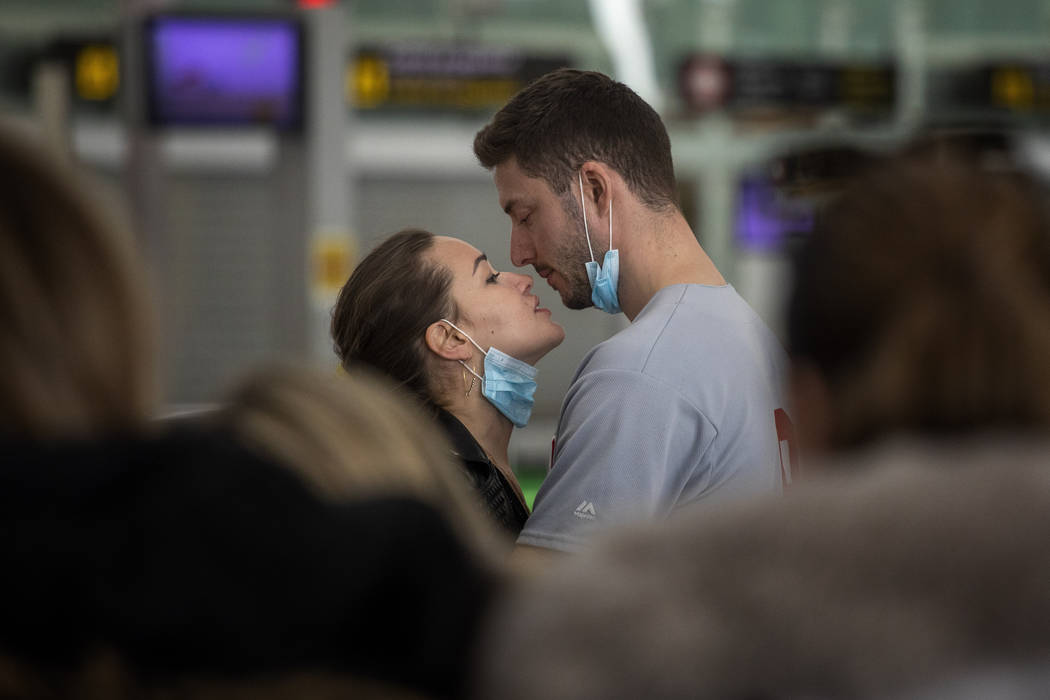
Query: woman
x=432 y=313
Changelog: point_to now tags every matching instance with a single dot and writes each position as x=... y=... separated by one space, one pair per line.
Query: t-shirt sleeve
x=627 y=445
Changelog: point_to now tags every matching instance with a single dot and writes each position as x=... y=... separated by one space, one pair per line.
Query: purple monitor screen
x=764 y=218
x=224 y=71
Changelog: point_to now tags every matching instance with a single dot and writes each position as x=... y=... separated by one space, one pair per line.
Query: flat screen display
x=224 y=71
x=766 y=218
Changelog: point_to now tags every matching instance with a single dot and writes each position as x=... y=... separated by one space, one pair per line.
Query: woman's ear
x=445 y=342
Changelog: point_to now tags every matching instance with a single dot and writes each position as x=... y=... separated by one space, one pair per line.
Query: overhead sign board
x=445 y=77
x=1007 y=87
x=742 y=85
x=395 y=77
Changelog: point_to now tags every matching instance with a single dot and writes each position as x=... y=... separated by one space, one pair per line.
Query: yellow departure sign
x=368 y=81
x=436 y=76
x=1013 y=88
x=96 y=71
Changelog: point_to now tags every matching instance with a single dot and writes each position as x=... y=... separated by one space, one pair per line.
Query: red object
x=314 y=4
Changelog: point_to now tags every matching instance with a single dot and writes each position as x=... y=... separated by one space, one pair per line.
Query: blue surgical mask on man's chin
x=604 y=278
x=509 y=384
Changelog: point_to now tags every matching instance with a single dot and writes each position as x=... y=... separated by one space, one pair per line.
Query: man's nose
x=521 y=250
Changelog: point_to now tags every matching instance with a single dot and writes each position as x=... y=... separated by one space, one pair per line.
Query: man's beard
x=571 y=258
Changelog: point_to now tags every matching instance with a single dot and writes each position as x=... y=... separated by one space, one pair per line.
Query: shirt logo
x=585 y=511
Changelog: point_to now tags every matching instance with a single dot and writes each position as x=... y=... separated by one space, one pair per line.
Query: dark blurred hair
x=923 y=299
x=236 y=571
x=568 y=117
x=74 y=345
x=384 y=309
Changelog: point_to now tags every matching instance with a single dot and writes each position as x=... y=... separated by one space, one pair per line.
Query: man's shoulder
x=628 y=348
x=683 y=324
x=622 y=351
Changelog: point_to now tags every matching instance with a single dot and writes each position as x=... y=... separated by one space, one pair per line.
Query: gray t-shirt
x=678 y=407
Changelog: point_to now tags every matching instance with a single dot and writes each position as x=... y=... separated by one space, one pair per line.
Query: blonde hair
x=75 y=334
x=351 y=436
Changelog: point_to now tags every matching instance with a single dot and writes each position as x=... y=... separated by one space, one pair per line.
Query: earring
x=472 y=380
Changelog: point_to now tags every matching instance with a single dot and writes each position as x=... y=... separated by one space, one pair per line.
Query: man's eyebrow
x=477 y=261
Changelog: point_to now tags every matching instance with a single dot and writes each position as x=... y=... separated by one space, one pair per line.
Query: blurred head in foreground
x=187 y=564
x=353 y=437
x=901 y=572
x=922 y=305
x=299 y=542
x=74 y=345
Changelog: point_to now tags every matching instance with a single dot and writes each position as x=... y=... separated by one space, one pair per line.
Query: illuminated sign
x=741 y=85
x=224 y=70
x=394 y=77
x=96 y=71
x=1019 y=88
x=431 y=76
x=93 y=66
x=780 y=200
x=1006 y=90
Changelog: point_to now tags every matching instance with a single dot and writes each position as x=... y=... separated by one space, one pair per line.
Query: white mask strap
x=583 y=206
x=467 y=335
x=610 y=222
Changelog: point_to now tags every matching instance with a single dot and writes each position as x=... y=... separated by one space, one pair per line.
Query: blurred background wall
x=250 y=228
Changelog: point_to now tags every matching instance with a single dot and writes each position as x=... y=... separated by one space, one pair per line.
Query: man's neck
x=663 y=251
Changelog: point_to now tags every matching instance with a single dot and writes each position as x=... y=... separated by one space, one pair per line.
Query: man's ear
x=445 y=342
x=599 y=181
x=596 y=182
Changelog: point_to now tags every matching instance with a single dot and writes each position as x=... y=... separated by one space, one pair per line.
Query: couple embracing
x=681 y=407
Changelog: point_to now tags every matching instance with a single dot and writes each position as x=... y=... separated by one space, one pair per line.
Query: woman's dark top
x=497 y=495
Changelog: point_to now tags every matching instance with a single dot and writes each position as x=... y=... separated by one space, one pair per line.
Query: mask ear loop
x=476 y=375
x=610 y=223
x=465 y=335
x=583 y=206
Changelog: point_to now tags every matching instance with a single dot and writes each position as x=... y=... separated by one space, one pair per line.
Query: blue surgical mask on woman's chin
x=604 y=278
x=509 y=384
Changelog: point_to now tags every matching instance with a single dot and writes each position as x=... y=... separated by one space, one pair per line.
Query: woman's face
x=497 y=309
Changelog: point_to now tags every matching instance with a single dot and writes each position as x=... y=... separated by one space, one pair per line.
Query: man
x=680 y=407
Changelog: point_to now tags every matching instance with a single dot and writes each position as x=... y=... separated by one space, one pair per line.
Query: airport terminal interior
x=251 y=217
x=269 y=430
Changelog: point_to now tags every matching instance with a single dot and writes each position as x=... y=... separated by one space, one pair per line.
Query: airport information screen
x=224 y=71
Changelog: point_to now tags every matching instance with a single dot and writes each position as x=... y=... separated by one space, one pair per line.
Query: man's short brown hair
x=569 y=117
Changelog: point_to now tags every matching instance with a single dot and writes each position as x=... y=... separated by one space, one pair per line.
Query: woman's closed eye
x=492 y=279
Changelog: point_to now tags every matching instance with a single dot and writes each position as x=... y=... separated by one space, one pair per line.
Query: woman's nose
x=523 y=282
